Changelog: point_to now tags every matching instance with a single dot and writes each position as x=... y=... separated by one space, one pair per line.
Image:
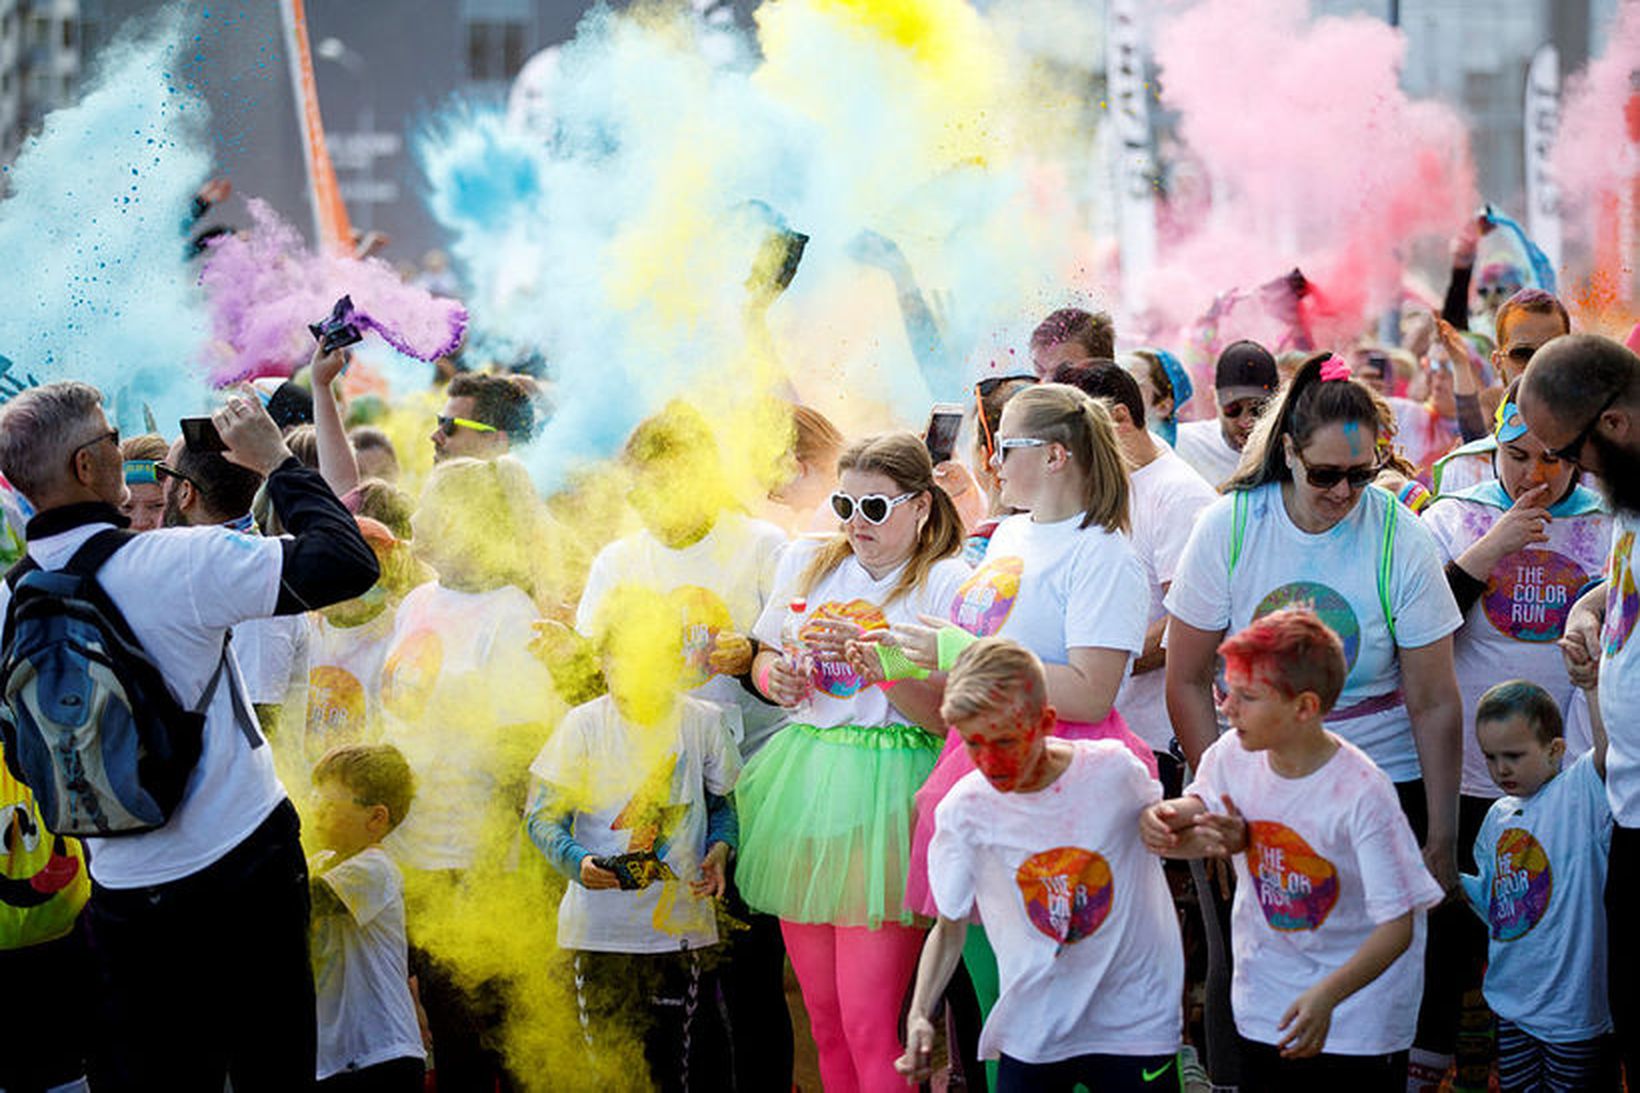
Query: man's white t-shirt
x=273 y=657
x=1054 y=587
x=639 y=788
x=1620 y=673
x=1202 y=445
x=1541 y=892
x=344 y=691
x=1330 y=857
x=181 y=589
x=459 y=685
x=1334 y=572
x=361 y=968
x=1166 y=498
x=1512 y=630
x=1086 y=939
x=849 y=593
x=724 y=582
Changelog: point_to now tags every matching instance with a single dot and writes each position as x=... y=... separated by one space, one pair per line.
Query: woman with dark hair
x=1301 y=523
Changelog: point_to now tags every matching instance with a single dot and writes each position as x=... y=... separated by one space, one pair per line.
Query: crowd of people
x=1263 y=751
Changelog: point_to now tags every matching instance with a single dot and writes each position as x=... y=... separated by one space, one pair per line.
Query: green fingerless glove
x=953 y=640
x=896 y=665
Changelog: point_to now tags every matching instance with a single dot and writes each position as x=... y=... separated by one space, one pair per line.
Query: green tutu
x=825 y=822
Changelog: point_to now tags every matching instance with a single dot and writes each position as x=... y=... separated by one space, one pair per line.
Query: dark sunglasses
x=874 y=508
x=1521 y=353
x=1325 y=478
x=1571 y=452
x=112 y=434
x=1233 y=410
x=163 y=471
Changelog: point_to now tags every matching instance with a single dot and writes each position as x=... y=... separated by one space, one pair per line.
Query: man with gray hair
x=199 y=927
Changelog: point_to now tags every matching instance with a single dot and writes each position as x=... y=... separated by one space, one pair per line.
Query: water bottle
x=795 y=650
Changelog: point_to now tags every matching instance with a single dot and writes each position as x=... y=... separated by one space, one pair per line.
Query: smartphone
x=336 y=330
x=940 y=437
x=199 y=433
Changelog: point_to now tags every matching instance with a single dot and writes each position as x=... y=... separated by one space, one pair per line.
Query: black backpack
x=86 y=718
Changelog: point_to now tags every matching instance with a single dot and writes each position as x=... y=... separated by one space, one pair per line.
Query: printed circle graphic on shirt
x=835 y=677
x=984 y=600
x=411 y=672
x=336 y=707
x=1622 y=600
x=1530 y=594
x=1067 y=892
x=1333 y=609
x=1296 y=887
x=703 y=614
x=1521 y=885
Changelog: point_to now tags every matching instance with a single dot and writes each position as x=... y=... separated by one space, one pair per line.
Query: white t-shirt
x=1620 y=674
x=1336 y=573
x=724 y=580
x=344 y=692
x=459 y=685
x=1202 y=445
x=639 y=788
x=361 y=965
x=273 y=657
x=181 y=589
x=1511 y=631
x=1541 y=891
x=1079 y=914
x=849 y=592
x=1056 y=587
x=1166 y=497
x=1465 y=467
x=1335 y=858
x=1422 y=434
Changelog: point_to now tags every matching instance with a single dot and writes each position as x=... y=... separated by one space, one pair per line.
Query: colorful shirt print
x=1521 y=885
x=1296 y=887
x=411 y=672
x=1622 y=599
x=703 y=614
x=1530 y=593
x=985 y=599
x=336 y=712
x=1067 y=892
x=1333 y=609
x=836 y=677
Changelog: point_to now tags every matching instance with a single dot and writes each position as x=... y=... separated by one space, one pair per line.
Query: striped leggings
x=1529 y=1065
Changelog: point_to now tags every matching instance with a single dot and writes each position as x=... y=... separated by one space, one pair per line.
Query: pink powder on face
x=265 y=286
x=1314 y=156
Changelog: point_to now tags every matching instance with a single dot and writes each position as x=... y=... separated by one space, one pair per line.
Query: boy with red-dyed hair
x=1328 y=920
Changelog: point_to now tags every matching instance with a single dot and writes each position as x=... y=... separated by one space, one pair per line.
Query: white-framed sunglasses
x=874 y=508
x=1006 y=444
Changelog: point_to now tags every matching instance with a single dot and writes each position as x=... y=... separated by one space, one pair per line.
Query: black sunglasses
x=1233 y=410
x=1521 y=353
x=1325 y=478
x=171 y=472
x=1571 y=452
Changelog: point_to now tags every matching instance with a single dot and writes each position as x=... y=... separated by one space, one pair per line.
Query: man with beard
x=203 y=489
x=1581 y=398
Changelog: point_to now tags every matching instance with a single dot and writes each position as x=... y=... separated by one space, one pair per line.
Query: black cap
x=1245 y=369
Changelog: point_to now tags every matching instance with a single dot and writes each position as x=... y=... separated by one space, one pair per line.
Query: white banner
x=1542 y=119
x=1135 y=162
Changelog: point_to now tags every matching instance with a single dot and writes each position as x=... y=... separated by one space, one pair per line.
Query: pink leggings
x=854 y=980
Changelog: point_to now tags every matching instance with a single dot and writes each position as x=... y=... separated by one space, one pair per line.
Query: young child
x=630 y=803
x=1541 y=856
x=369 y=1040
x=1041 y=837
x=1326 y=928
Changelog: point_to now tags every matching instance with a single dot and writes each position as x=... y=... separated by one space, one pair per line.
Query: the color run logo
x=1521 y=885
x=1296 y=887
x=1067 y=892
x=985 y=599
x=1333 y=609
x=836 y=677
x=703 y=616
x=1531 y=593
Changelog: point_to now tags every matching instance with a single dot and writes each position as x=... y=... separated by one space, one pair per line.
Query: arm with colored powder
x=552 y=830
x=338 y=465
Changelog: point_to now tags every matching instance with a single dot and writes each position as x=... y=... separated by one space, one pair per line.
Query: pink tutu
x=954 y=763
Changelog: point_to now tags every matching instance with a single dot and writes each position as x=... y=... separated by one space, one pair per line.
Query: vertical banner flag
x=1135 y=161
x=1542 y=120
x=331 y=229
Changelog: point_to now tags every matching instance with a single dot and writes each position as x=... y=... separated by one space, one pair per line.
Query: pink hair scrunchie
x=1334 y=368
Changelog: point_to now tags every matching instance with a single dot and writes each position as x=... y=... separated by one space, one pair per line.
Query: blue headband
x=1511 y=426
x=140 y=472
x=1177 y=378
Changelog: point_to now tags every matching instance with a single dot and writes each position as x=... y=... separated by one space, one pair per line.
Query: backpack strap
x=243 y=717
x=1386 y=562
x=97 y=550
x=1238 y=527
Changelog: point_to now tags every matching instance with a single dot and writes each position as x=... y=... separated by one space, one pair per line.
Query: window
x=68 y=33
x=495 y=49
x=478 y=51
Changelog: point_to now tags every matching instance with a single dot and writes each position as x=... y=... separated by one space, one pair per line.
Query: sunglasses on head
x=1325 y=478
x=449 y=425
x=1233 y=410
x=987 y=386
x=874 y=508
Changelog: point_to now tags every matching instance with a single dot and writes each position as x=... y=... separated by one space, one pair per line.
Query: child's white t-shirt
x=1620 y=674
x=853 y=595
x=1522 y=614
x=361 y=965
x=724 y=582
x=458 y=684
x=1053 y=587
x=1086 y=939
x=638 y=788
x=344 y=695
x=1336 y=573
x=1167 y=496
x=1330 y=856
x=1541 y=891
